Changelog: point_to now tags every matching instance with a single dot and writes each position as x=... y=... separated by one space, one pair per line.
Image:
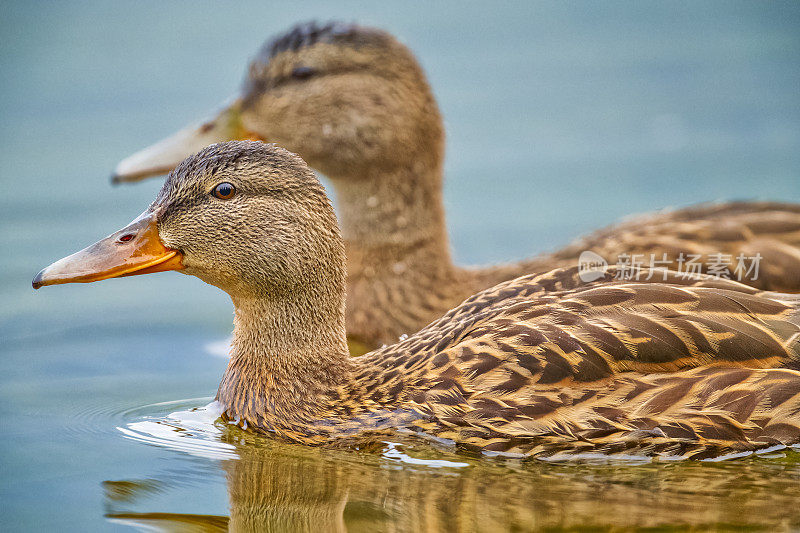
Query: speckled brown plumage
x=693 y=367
x=355 y=104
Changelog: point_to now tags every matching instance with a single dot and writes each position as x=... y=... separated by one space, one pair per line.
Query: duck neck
x=394 y=212
x=287 y=357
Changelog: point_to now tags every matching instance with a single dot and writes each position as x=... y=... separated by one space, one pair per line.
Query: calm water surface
x=561 y=117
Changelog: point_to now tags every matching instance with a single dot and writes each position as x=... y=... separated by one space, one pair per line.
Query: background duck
x=355 y=104
x=541 y=363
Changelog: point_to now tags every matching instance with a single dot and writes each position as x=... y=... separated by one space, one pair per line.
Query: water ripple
x=193 y=431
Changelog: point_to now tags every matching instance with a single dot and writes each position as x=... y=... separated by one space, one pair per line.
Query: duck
x=356 y=105
x=542 y=364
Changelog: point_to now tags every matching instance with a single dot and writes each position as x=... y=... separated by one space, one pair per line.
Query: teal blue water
x=561 y=117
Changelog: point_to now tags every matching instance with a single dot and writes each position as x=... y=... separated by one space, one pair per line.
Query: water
x=560 y=118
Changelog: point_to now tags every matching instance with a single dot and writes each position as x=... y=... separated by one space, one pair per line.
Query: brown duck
x=541 y=364
x=355 y=104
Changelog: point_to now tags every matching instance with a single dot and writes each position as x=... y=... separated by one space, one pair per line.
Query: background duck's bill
x=165 y=155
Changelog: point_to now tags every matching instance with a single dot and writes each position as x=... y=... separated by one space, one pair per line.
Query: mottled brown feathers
x=696 y=367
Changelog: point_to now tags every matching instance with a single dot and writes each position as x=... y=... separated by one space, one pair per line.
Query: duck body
x=356 y=105
x=543 y=364
x=547 y=364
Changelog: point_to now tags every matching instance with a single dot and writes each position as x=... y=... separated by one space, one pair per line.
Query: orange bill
x=135 y=249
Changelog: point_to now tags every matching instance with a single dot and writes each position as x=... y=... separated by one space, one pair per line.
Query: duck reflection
x=283 y=487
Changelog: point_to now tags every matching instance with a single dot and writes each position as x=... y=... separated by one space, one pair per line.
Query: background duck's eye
x=224 y=191
x=301 y=73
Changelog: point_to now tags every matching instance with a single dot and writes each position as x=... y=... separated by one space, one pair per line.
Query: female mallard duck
x=355 y=104
x=539 y=364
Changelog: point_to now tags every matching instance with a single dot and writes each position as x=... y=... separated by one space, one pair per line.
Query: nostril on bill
x=127 y=237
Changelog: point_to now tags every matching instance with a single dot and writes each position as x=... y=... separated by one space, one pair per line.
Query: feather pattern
x=548 y=365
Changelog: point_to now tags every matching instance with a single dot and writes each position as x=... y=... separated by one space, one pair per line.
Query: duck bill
x=165 y=155
x=133 y=250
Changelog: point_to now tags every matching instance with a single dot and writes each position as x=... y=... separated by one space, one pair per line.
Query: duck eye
x=302 y=73
x=224 y=191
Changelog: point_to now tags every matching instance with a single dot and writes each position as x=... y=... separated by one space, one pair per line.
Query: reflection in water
x=408 y=486
x=172 y=522
x=220 y=348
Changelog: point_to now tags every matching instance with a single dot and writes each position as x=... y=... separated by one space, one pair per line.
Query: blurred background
x=561 y=118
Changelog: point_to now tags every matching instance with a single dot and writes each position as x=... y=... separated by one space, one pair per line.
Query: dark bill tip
x=37 y=280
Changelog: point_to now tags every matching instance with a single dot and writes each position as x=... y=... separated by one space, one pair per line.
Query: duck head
x=247 y=217
x=352 y=101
